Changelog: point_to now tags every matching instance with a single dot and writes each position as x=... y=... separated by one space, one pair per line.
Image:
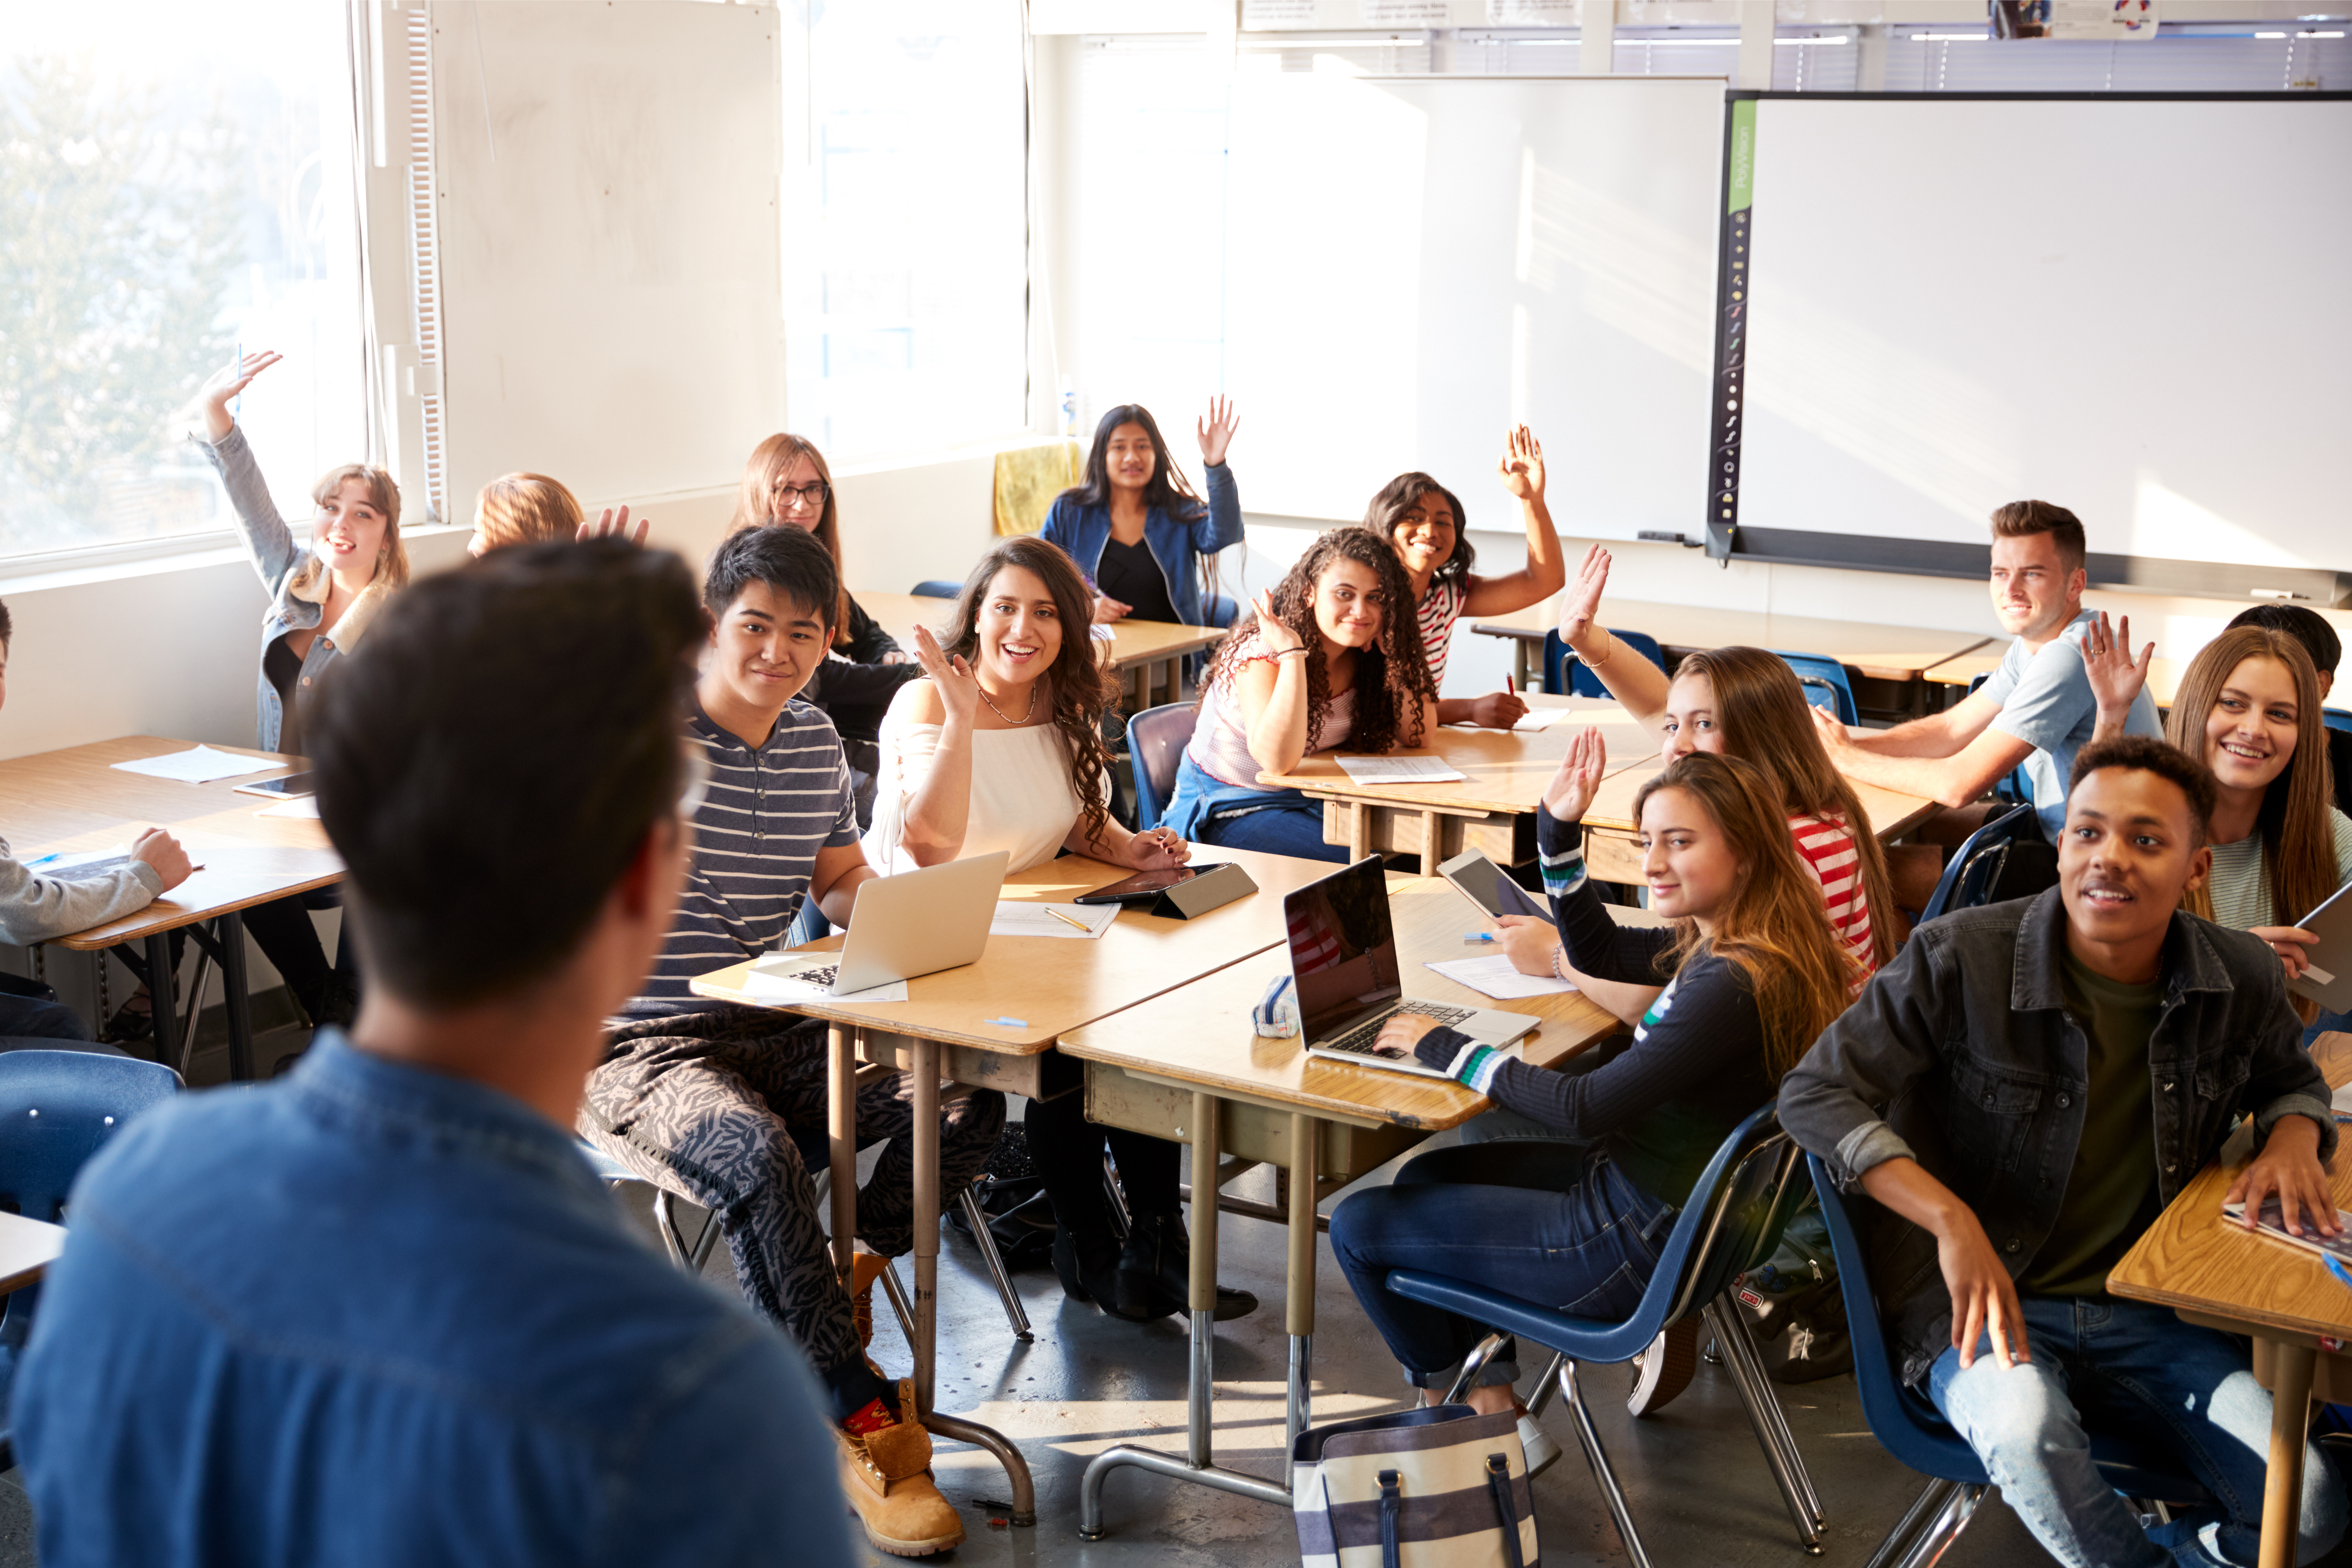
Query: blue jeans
x=1551 y=1223
x=1289 y=828
x=2116 y=1366
x=29 y=1018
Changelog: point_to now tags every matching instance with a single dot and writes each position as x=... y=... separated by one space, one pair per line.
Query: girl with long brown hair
x=1002 y=749
x=1752 y=974
x=1332 y=660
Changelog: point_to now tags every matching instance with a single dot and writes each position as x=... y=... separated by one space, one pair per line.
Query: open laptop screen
x=1343 y=952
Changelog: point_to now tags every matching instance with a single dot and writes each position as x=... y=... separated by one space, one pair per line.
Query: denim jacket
x=1960 y=1054
x=293 y=607
x=1177 y=543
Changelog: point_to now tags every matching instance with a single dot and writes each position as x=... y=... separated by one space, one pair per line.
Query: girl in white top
x=1423 y=523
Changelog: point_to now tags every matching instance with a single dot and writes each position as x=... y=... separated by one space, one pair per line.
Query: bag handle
x=1392 y=1503
x=1498 y=1482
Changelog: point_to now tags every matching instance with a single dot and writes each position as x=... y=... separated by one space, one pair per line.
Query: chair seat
x=1597 y=1340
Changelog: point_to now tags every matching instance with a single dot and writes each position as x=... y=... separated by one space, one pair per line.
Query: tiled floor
x=1695 y=1479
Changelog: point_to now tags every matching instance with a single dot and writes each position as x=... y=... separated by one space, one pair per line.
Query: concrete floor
x=1693 y=1475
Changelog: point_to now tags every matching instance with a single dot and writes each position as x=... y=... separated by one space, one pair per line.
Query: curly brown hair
x=1392 y=678
x=1077 y=684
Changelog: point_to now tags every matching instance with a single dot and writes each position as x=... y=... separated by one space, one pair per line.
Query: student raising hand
x=608 y=526
x=2116 y=676
x=959 y=688
x=1521 y=466
x=1572 y=789
x=1217 y=430
x=1580 y=604
x=1274 y=631
x=221 y=387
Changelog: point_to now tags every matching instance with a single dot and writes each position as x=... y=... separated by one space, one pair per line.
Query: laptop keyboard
x=1358 y=1040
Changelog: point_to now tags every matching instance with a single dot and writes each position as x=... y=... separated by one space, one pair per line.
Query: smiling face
x=347 y=532
x=1128 y=457
x=1691 y=721
x=2033 y=595
x=1687 y=859
x=791 y=501
x=764 y=648
x=1348 y=605
x=2250 y=734
x=1423 y=534
x=2128 y=853
x=1019 y=628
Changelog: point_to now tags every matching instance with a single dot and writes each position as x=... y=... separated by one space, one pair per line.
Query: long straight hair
x=2298 y=838
x=1391 y=676
x=1774 y=930
x=1080 y=689
x=1766 y=723
x=1167 y=488
x=755 y=507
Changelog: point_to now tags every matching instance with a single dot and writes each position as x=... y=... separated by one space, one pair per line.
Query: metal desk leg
x=164 y=1003
x=841 y=1136
x=923 y=1065
x=1298 y=1295
x=1527 y=681
x=2290 y=1419
x=1199 y=1464
x=236 y=997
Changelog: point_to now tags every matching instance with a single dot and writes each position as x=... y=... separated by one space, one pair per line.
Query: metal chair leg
x=978 y=1218
x=1116 y=1196
x=1764 y=1415
x=898 y=1302
x=1546 y=1382
x=1945 y=1506
x=1471 y=1365
x=688 y=1258
x=1611 y=1492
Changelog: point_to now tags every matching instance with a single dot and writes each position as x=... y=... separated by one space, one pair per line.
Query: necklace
x=1001 y=713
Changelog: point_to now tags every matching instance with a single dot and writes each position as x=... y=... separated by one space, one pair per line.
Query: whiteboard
x=2130 y=308
x=1393 y=270
x=611 y=273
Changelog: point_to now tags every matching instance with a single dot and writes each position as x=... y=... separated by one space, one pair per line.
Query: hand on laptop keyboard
x=1361 y=1039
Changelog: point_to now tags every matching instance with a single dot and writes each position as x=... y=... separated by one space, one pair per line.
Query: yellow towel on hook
x=1027 y=481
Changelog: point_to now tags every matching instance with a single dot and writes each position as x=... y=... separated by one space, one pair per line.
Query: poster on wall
x=2109 y=21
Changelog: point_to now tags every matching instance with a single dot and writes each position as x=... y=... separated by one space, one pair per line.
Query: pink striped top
x=1439 y=609
x=1826 y=846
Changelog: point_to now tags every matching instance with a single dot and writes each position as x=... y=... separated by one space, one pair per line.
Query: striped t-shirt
x=1826 y=847
x=767 y=813
x=1440 y=608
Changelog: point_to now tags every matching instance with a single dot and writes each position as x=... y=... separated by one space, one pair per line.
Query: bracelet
x=1557 y=954
x=1288 y=653
x=1604 y=658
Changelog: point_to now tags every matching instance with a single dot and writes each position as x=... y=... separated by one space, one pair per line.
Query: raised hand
x=1521 y=464
x=1572 y=788
x=1272 y=631
x=1580 y=603
x=224 y=384
x=2116 y=676
x=609 y=526
x=1216 y=431
x=959 y=688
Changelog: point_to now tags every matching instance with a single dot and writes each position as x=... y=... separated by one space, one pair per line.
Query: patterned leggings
x=717 y=1106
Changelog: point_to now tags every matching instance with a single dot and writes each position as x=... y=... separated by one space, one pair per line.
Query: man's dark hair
x=2306 y=626
x=7 y=628
x=2149 y=754
x=790 y=560
x=491 y=759
x=2024 y=519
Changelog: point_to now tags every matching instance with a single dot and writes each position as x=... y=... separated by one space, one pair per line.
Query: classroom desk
x=1186 y=1066
x=1138 y=650
x=1490 y=810
x=27 y=1247
x=2282 y=1297
x=2163 y=674
x=941 y=1031
x=75 y=800
x=1613 y=854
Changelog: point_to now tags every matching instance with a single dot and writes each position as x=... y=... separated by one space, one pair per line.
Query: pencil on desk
x=1068 y=921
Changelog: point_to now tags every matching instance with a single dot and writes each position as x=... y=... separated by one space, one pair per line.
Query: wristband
x=1289 y=653
x=1475 y=1067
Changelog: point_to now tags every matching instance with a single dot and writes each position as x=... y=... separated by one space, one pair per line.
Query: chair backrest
x=937 y=588
x=1975 y=866
x=1825 y=683
x=57 y=1108
x=1155 y=743
x=1565 y=675
x=2336 y=719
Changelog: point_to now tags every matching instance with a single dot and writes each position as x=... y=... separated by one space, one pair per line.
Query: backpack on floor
x=1439 y=1487
x=1012 y=1196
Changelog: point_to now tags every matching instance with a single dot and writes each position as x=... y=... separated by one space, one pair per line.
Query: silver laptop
x=2328 y=980
x=916 y=923
x=1343 y=966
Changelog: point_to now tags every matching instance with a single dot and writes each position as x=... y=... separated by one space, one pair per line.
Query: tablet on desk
x=286 y=786
x=1490 y=886
x=2328 y=979
x=1144 y=886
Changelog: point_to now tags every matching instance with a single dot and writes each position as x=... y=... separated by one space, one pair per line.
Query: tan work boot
x=864 y=1268
x=888 y=1475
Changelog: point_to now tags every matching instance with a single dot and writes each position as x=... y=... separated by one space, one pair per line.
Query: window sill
x=146 y=558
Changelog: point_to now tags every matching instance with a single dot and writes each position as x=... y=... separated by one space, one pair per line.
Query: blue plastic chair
x=1825 y=683
x=934 y=588
x=1730 y=1224
x=2336 y=719
x=1565 y=675
x=1155 y=744
x=1908 y=1426
x=1975 y=866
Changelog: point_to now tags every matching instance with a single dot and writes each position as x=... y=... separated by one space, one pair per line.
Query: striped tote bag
x=1441 y=1487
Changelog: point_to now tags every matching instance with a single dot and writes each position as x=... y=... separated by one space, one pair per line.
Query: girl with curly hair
x=1334 y=659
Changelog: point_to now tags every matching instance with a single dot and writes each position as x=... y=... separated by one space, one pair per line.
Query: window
x=176 y=182
x=905 y=225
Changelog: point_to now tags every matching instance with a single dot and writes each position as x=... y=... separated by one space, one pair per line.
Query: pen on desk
x=1478 y=936
x=45 y=860
x=1068 y=921
x=2343 y=1274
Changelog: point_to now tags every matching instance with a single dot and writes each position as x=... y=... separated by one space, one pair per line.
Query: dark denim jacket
x=1960 y=1054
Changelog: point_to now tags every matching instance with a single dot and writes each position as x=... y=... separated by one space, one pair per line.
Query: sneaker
x=887 y=1477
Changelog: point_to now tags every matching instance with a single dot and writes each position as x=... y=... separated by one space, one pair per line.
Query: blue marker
x=46 y=860
x=2343 y=1274
x=1478 y=936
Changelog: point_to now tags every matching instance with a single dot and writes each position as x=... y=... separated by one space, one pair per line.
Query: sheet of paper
x=1038 y=920
x=1398 y=770
x=307 y=806
x=1545 y=718
x=2341 y=1100
x=780 y=979
x=1102 y=631
x=198 y=765
x=1493 y=976
x=81 y=861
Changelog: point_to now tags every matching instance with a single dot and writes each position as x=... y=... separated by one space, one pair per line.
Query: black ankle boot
x=1087 y=1266
x=1155 y=1273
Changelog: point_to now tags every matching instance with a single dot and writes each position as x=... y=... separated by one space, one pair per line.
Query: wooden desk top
x=1890 y=812
x=1132 y=642
x=1200 y=1034
x=2193 y=1260
x=74 y=800
x=1886 y=652
x=1507 y=769
x=27 y=1247
x=1054 y=983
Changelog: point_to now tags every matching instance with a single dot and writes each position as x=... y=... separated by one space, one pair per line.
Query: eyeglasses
x=808 y=495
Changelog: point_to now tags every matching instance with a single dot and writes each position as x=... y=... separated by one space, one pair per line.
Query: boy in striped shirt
x=715 y=1102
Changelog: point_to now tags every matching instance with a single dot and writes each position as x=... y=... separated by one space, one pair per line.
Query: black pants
x=1068 y=1151
x=283 y=931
